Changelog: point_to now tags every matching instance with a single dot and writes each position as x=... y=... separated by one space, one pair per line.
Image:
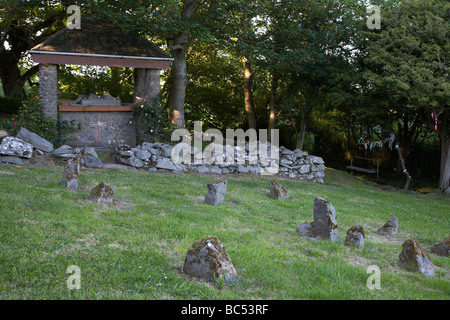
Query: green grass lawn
x=135 y=248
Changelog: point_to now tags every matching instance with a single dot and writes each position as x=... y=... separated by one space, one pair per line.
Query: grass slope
x=135 y=248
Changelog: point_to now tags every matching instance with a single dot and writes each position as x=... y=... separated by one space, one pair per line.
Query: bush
x=152 y=120
x=9 y=105
x=30 y=117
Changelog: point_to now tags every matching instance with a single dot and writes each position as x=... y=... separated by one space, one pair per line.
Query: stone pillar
x=146 y=84
x=146 y=88
x=48 y=89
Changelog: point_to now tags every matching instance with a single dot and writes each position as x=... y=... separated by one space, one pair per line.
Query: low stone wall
x=156 y=157
x=101 y=129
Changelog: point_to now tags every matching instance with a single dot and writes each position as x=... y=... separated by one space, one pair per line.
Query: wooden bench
x=352 y=167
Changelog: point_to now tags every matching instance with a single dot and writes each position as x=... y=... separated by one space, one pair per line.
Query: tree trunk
x=444 y=175
x=13 y=83
x=178 y=85
x=248 y=99
x=273 y=103
x=179 y=45
x=302 y=133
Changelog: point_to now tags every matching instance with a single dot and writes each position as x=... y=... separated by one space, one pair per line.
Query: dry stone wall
x=156 y=157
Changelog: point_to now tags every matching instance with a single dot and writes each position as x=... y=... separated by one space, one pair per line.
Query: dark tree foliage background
x=312 y=69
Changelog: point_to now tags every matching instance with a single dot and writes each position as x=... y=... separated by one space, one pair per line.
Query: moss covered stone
x=355 y=237
x=102 y=193
x=208 y=259
x=390 y=228
x=442 y=248
x=70 y=174
x=415 y=258
x=277 y=191
x=325 y=223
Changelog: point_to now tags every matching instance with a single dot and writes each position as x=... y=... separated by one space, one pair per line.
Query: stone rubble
x=12 y=146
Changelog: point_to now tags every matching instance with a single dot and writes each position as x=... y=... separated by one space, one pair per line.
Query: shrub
x=9 y=105
x=30 y=117
x=152 y=120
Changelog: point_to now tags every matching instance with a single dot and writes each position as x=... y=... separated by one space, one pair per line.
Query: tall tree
x=24 y=24
x=408 y=64
x=180 y=23
x=302 y=41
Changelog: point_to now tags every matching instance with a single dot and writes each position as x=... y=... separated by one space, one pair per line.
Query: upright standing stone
x=207 y=258
x=70 y=174
x=102 y=193
x=415 y=258
x=325 y=223
x=216 y=192
x=277 y=191
x=390 y=228
x=355 y=237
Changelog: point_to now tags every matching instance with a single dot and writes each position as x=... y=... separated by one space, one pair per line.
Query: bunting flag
x=436 y=120
x=372 y=144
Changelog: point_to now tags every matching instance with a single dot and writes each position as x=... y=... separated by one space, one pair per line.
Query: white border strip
x=99 y=55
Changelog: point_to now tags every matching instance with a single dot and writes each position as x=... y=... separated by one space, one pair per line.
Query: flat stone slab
x=108 y=165
x=11 y=160
x=35 y=140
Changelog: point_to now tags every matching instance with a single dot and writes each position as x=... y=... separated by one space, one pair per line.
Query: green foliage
x=214 y=94
x=9 y=105
x=30 y=117
x=75 y=80
x=152 y=120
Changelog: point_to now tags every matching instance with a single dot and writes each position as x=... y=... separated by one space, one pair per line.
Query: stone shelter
x=105 y=121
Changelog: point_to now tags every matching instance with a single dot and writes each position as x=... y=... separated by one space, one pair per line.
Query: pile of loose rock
x=157 y=157
x=24 y=145
x=27 y=146
x=86 y=155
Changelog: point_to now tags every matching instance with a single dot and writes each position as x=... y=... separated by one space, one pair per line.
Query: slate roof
x=100 y=38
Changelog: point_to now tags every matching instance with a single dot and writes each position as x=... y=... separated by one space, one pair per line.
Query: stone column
x=146 y=88
x=48 y=89
x=146 y=84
